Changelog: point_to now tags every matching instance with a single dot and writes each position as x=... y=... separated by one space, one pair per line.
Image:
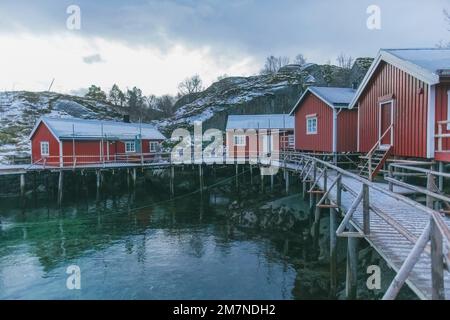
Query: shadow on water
x=234 y=240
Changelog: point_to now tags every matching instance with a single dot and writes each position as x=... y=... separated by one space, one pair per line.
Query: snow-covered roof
x=260 y=121
x=69 y=128
x=425 y=64
x=335 y=97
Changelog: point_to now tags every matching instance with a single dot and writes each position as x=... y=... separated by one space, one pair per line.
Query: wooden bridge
x=412 y=238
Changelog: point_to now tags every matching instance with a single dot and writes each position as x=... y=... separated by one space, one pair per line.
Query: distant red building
x=404 y=101
x=65 y=142
x=323 y=122
x=253 y=135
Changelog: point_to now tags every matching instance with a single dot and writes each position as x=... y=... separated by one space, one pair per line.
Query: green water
x=141 y=244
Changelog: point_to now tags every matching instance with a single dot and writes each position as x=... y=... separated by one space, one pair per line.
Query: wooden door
x=385 y=122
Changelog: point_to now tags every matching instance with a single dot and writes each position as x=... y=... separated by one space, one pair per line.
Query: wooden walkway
x=395 y=227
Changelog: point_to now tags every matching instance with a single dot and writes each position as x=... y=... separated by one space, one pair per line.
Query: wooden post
x=333 y=256
x=441 y=179
x=272 y=177
x=200 y=172
x=316 y=228
x=430 y=183
x=22 y=185
x=60 y=187
x=391 y=175
x=251 y=174
x=437 y=263
x=262 y=181
x=352 y=263
x=339 y=191
x=304 y=190
x=286 y=173
x=134 y=177
x=366 y=210
x=128 y=178
x=237 y=175
x=172 y=181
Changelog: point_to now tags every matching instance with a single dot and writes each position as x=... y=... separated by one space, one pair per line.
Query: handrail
x=432 y=213
x=379 y=140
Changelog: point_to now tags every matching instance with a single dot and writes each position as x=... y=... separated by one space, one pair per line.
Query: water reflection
x=141 y=244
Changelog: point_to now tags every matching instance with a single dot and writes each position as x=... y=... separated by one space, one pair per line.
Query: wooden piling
x=251 y=174
x=287 y=181
x=272 y=177
x=333 y=255
x=172 y=181
x=352 y=264
x=200 y=173
x=437 y=264
x=60 y=187
x=134 y=177
x=22 y=185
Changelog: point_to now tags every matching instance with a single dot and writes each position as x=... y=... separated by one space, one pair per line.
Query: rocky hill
x=274 y=93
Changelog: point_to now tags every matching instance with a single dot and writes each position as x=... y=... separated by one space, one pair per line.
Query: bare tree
x=344 y=61
x=190 y=85
x=166 y=104
x=273 y=64
x=300 y=59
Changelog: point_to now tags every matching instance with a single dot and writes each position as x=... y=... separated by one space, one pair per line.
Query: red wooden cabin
x=403 y=103
x=69 y=142
x=323 y=122
x=254 y=135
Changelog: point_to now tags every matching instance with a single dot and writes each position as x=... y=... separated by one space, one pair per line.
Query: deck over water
x=392 y=245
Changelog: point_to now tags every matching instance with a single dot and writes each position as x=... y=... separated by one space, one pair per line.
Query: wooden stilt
x=237 y=176
x=134 y=177
x=22 y=185
x=60 y=187
x=200 y=172
x=251 y=174
x=286 y=179
x=272 y=177
x=352 y=263
x=437 y=263
x=333 y=256
x=172 y=181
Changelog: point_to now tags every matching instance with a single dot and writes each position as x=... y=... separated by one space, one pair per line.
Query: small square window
x=311 y=125
x=154 y=146
x=240 y=140
x=130 y=146
x=45 y=148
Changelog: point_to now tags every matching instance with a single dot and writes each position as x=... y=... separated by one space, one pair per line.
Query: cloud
x=95 y=58
x=234 y=36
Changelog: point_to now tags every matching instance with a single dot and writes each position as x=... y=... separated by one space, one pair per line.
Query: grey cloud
x=256 y=27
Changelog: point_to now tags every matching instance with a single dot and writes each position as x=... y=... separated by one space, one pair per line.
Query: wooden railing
x=436 y=232
x=369 y=155
x=441 y=135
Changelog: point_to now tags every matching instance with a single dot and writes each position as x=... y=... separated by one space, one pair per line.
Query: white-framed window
x=311 y=125
x=448 y=109
x=240 y=140
x=45 y=148
x=291 y=140
x=130 y=146
x=154 y=146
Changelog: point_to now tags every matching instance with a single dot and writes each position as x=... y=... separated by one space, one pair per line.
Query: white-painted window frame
x=448 y=109
x=310 y=118
x=47 y=144
x=240 y=140
x=130 y=150
x=155 y=145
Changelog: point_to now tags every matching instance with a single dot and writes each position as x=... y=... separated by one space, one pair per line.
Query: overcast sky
x=156 y=44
